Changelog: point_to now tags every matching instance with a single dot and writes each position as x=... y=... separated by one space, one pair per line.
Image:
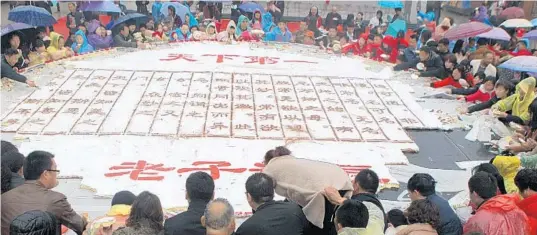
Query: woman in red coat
x=357 y=48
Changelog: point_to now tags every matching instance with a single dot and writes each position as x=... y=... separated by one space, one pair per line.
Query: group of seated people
x=326 y=204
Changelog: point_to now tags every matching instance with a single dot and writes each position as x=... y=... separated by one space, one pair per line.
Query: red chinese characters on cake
x=140 y=170
x=214 y=168
x=221 y=58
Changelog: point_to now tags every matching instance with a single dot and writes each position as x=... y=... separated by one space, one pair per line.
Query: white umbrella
x=517 y=23
x=496 y=33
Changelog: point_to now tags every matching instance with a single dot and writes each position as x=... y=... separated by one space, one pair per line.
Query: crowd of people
x=326 y=204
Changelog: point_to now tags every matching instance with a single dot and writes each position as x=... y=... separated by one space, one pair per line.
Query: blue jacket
x=238 y=30
x=193 y=21
x=266 y=22
x=430 y=16
x=155 y=11
x=86 y=47
x=180 y=35
x=277 y=35
x=449 y=222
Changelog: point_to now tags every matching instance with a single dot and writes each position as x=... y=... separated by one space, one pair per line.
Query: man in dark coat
x=432 y=64
x=199 y=191
x=270 y=217
x=333 y=19
x=14 y=160
x=74 y=18
x=422 y=186
x=124 y=38
x=10 y=58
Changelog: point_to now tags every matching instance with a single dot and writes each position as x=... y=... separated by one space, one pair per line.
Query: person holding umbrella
x=10 y=58
x=14 y=42
x=74 y=18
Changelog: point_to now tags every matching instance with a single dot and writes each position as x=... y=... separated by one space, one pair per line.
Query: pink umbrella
x=512 y=13
x=465 y=30
x=496 y=33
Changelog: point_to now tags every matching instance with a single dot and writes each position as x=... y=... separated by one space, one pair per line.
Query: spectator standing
x=40 y=172
x=495 y=215
x=526 y=182
x=199 y=191
x=35 y=222
x=141 y=7
x=14 y=161
x=115 y=218
x=10 y=58
x=155 y=11
x=74 y=18
x=297 y=180
x=275 y=11
x=423 y=218
x=7 y=146
x=333 y=19
x=313 y=20
x=351 y=218
x=422 y=186
x=365 y=186
x=219 y=217
x=398 y=15
x=377 y=20
x=270 y=217
x=146 y=216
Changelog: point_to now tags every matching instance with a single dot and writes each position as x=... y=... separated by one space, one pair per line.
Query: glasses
x=57 y=171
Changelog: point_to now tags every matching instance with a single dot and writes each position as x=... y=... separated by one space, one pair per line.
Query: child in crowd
x=459 y=78
x=39 y=55
x=501 y=91
x=280 y=33
x=518 y=103
x=484 y=92
x=397 y=221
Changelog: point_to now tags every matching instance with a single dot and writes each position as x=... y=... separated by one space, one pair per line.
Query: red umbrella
x=512 y=13
x=465 y=30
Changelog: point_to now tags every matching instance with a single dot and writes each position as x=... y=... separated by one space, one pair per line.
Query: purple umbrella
x=14 y=27
x=102 y=6
x=531 y=35
x=470 y=29
x=496 y=33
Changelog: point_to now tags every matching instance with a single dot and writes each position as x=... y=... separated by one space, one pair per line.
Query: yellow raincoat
x=513 y=103
x=508 y=167
x=115 y=218
x=53 y=49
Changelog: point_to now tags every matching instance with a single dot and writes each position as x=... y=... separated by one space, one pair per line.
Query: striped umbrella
x=465 y=30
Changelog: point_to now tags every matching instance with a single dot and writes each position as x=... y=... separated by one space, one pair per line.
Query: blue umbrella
x=395 y=27
x=125 y=18
x=534 y=22
x=521 y=64
x=180 y=9
x=34 y=16
x=251 y=7
x=101 y=6
x=390 y=4
x=14 y=27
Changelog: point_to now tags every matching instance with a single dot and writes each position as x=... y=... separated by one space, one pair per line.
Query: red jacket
x=499 y=216
x=521 y=52
x=355 y=46
x=480 y=95
x=449 y=81
x=529 y=206
x=375 y=50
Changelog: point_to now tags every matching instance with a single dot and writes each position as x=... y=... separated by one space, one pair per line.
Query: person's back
x=34 y=223
x=275 y=218
x=115 y=218
x=499 y=215
x=449 y=221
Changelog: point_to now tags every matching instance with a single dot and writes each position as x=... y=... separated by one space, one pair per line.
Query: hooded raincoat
x=277 y=35
x=85 y=47
x=115 y=218
x=224 y=36
x=238 y=30
x=529 y=206
x=519 y=106
x=508 y=167
x=54 y=49
x=211 y=36
x=499 y=215
x=266 y=22
x=192 y=20
x=97 y=41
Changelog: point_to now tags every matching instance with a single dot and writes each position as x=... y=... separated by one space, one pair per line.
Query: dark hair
x=13 y=160
x=444 y=41
x=423 y=211
x=122 y=27
x=36 y=163
x=7 y=146
x=368 y=180
x=260 y=187
x=505 y=84
x=482 y=41
x=426 y=35
x=6 y=179
x=39 y=43
x=35 y=222
x=461 y=69
x=471 y=39
x=173 y=9
x=147 y=208
x=487 y=53
x=11 y=52
x=361 y=13
x=200 y=186
x=352 y=214
x=277 y=152
x=491 y=169
x=523 y=42
x=142 y=26
x=451 y=20
x=379 y=11
x=533 y=51
x=426 y=49
x=526 y=179
x=481 y=75
x=123 y=198
x=490 y=79
x=397 y=9
x=41 y=29
x=194 y=26
x=451 y=59
x=397 y=218
x=423 y=183
x=414 y=36
x=483 y=184
x=11 y=36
